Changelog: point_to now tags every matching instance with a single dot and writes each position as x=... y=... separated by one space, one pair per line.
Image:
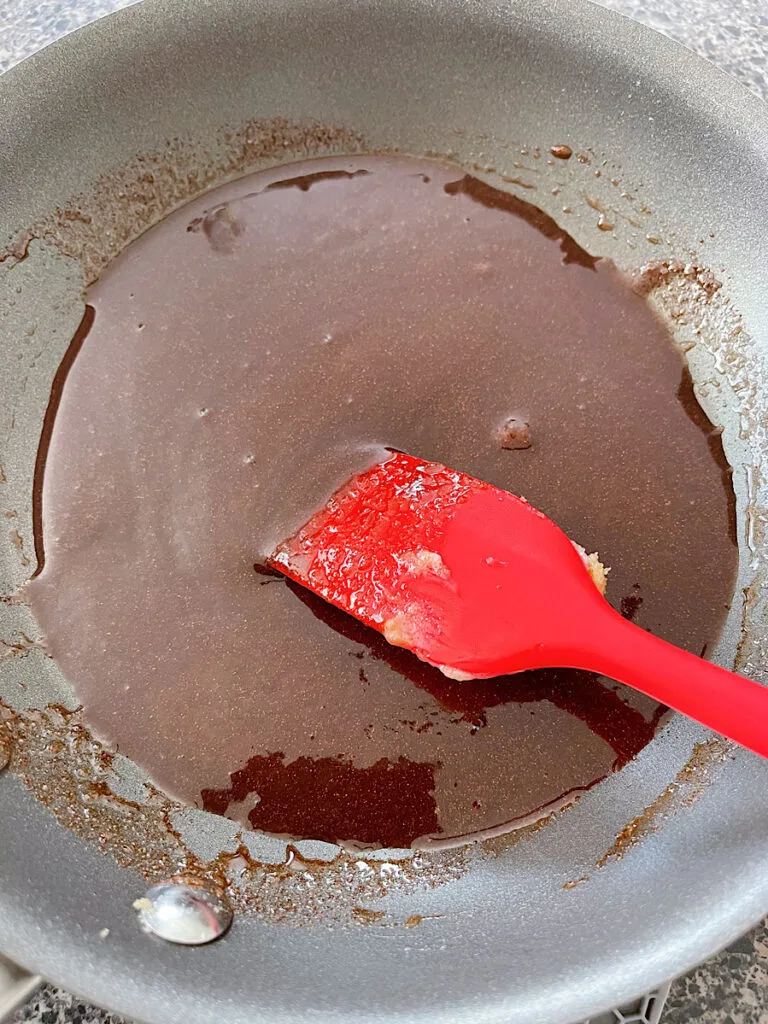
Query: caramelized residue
x=366 y=916
x=391 y=803
x=72 y=775
x=5 y=747
x=686 y=787
x=575 y=882
x=94 y=228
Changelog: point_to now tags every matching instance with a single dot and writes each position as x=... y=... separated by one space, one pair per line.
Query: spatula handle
x=723 y=701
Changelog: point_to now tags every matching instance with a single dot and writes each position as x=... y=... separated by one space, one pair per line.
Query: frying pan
x=103 y=133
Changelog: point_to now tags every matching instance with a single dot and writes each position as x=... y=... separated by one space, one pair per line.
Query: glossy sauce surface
x=245 y=357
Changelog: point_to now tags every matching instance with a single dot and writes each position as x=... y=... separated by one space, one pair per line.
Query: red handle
x=728 y=703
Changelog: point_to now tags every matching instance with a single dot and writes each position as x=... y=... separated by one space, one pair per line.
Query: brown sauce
x=240 y=361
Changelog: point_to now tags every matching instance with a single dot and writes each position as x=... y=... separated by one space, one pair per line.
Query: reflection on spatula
x=479 y=583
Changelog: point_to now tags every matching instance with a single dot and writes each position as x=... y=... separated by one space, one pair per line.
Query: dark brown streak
x=687 y=398
x=46 y=433
x=495 y=199
x=306 y=181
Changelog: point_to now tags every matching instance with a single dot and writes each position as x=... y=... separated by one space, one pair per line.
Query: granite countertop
x=731 y=988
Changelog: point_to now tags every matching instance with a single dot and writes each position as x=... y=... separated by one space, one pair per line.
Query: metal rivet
x=184 y=912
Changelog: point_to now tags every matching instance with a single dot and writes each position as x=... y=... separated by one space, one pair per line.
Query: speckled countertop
x=731 y=988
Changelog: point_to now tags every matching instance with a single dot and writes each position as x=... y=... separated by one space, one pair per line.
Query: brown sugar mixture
x=249 y=354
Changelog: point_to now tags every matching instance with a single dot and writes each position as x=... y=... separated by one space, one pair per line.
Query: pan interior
x=244 y=358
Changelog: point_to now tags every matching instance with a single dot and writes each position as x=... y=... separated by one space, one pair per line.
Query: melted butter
x=250 y=353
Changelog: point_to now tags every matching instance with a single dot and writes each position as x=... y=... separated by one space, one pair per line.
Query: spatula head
x=470 y=578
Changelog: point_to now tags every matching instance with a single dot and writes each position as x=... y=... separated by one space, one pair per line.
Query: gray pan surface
x=508 y=940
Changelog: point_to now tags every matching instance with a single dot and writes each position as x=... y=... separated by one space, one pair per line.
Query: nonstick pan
x=653 y=870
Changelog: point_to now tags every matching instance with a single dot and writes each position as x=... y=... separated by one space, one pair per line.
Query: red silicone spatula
x=479 y=583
